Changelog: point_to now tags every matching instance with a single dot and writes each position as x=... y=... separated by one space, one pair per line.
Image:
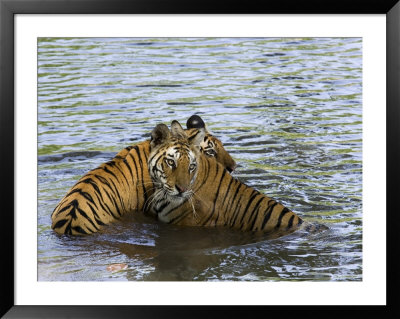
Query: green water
x=289 y=110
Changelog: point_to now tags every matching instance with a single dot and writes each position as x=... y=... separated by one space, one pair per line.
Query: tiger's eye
x=192 y=167
x=210 y=153
x=170 y=162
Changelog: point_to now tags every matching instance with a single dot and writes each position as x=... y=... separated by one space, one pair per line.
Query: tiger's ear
x=195 y=121
x=159 y=135
x=177 y=130
x=198 y=138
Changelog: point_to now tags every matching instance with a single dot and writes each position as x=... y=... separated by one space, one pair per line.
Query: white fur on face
x=171 y=153
x=165 y=197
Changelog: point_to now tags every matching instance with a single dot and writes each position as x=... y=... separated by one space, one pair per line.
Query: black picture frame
x=8 y=9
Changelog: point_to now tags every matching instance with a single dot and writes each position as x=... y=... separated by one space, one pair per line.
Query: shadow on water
x=154 y=251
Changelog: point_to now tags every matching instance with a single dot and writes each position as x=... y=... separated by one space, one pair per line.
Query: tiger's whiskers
x=201 y=199
x=195 y=216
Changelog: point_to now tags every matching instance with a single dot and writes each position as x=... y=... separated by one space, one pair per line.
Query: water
x=289 y=110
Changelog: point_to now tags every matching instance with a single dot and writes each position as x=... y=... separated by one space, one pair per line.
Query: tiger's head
x=210 y=145
x=173 y=161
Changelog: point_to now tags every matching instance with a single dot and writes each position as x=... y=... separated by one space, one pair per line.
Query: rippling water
x=289 y=110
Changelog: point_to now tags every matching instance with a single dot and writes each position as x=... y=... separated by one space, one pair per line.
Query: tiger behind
x=121 y=186
x=195 y=190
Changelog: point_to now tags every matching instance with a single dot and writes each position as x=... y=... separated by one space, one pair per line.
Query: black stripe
x=80 y=191
x=117 y=193
x=78 y=229
x=136 y=148
x=142 y=167
x=252 y=197
x=217 y=194
x=223 y=176
x=127 y=165
x=64 y=208
x=145 y=155
x=227 y=191
x=73 y=191
x=99 y=222
x=268 y=214
x=115 y=204
x=193 y=136
x=68 y=229
x=96 y=191
x=105 y=168
x=133 y=183
x=96 y=216
x=83 y=213
x=290 y=222
x=106 y=209
x=60 y=223
x=234 y=196
x=206 y=168
x=72 y=212
x=238 y=207
x=102 y=179
x=254 y=219
x=112 y=199
x=166 y=203
x=60 y=204
x=87 y=196
x=105 y=182
x=155 y=166
x=95 y=187
x=122 y=173
x=137 y=178
x=256 y=208
x=110 y=163
x=158 y=155
x=283 y=213
x=235 y=212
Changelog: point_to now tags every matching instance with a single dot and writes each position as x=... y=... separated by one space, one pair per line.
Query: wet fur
x=214 y=197
x=117 y=187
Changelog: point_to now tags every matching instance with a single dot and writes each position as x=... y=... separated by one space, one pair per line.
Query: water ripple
x=289 y=110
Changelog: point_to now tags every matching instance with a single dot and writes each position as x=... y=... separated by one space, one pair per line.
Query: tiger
x=210 y=145
x=192 y=189
x=122 y=185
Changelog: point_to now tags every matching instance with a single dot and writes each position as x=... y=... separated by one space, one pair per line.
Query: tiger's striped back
x=104 y=194
x=210 y=196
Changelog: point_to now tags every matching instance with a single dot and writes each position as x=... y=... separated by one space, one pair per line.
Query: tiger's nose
x=180 y=189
